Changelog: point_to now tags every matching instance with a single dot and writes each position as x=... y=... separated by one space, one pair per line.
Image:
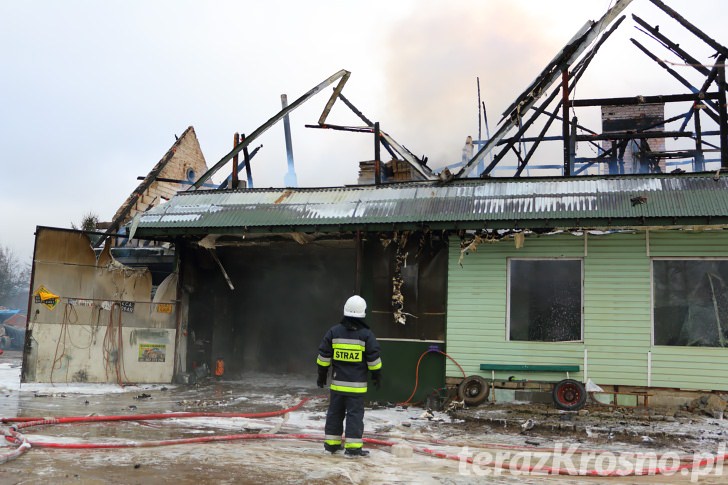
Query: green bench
x=530 y=368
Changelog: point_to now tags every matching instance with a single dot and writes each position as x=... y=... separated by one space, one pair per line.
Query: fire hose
x=13 y=435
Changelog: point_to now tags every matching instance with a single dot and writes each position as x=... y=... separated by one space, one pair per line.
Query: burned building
x=491 y=277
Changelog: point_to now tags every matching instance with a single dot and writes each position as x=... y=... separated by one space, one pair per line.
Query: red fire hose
x=30 y=422
x=24 y=444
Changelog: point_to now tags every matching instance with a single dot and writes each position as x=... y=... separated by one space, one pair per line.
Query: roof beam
x=366 y=120
x=677 y=76
x=661 y=98
x=673 y=47
x=696 y=31
x=565 y=58
x=579 y=70
x=342 y=75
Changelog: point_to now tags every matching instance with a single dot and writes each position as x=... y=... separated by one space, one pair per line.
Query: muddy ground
x=483 y=433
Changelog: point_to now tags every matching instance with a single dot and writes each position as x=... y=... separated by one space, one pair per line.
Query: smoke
x=434 y=57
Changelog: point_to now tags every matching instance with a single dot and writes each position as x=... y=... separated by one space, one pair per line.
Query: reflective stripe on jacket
x=352 y=350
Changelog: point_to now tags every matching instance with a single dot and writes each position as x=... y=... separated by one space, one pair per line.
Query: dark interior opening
x=286 y=296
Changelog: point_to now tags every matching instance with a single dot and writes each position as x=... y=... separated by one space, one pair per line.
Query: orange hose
x=417 y=372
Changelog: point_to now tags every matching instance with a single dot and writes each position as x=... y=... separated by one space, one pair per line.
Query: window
x=545 y=300
x=690 y=302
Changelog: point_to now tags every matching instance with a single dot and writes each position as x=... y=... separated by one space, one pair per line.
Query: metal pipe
x=343 y=74
x=357 y=275
x=649 y=369
x=481 y=164
x=290 y=179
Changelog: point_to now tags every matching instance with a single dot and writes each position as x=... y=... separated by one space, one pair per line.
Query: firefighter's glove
x=377 y=379
x=322 y=373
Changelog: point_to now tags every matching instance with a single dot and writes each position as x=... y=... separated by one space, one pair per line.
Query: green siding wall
x=617 y=311
x=476 y=325
x=690 y=367
x=617 y=314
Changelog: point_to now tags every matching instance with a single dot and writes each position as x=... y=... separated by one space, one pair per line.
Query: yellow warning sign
x=45 y=297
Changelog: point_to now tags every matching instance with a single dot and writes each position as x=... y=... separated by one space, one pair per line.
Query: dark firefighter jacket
x=353 y=350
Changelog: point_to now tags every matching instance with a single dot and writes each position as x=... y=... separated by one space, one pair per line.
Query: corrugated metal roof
x=529 y=200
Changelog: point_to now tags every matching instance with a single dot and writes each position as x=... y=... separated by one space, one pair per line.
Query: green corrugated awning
x=493 y=203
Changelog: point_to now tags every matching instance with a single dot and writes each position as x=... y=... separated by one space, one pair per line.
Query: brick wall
x=184 y=161
x=616 y=119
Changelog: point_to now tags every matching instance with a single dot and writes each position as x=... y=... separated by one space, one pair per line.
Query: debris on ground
x=709 y=404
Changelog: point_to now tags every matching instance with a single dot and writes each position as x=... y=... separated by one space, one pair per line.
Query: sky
x=92 y=93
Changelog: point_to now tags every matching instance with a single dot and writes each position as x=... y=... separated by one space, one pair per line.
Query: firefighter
x=352 y=351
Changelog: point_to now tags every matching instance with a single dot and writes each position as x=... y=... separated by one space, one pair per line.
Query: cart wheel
x=569 y=395
x=473 y=390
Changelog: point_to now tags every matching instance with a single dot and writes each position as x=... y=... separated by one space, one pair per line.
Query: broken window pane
x=545 y=300
x=690 y=302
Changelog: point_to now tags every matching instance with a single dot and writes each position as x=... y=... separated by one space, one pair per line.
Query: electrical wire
x=114 y=345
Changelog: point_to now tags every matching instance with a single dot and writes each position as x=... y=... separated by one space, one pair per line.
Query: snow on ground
x=276 y=461
x=85 y=388
x=9 y=376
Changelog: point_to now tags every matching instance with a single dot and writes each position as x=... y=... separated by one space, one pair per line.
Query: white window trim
x=508 y=298
x=652 y=290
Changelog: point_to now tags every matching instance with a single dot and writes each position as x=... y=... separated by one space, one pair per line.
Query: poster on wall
x=152 y=352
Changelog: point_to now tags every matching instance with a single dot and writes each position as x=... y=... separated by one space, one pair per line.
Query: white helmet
x=355 y=307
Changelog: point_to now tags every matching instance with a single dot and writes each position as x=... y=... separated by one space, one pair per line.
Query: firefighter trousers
x=345 y=406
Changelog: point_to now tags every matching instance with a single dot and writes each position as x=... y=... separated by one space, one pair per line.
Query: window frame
x=652 y=294
x=508 y=298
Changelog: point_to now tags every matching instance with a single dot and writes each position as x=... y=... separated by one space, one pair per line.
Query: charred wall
x=286 y=295
x=422 y=267
x=93 y=319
